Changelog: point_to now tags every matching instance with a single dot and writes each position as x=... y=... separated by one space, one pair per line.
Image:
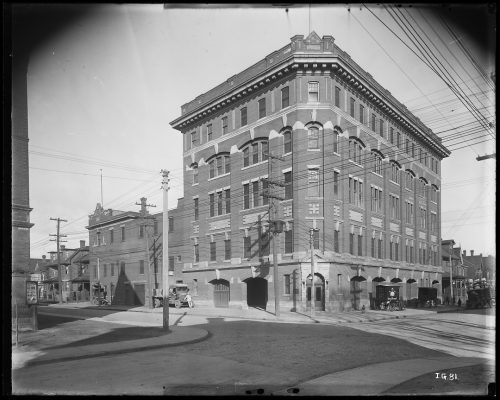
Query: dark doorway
x=256 y=292
x=319 y=292
x=358 y=291
x=221 y=292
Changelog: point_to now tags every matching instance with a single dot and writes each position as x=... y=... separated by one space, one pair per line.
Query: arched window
x=395 y=173
x=355 y=150
x=377 y=163
x=313 y=138
x=220 y=165
x=287 y=142
x=195 y=174
x=255 y=152
x=434 y=193
x=422 y=187
x=409 y=180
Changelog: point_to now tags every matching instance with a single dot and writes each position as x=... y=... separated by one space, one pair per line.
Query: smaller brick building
x=125 y=254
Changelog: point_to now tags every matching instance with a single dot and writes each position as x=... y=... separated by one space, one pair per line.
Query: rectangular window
x=351 y=243
x=246 y=196
x=287 y=284
x=398 y=140
x=262 y=108
x=209 y=132
x=313 y=92
x=396 y=251
x=123 y=233
x=246 y=156
x=227 y=165
x=336 y=179
x=407 y=146
x=194 y=139
x=104 y=270
x=351 y=110
x=255 y=153
x=373 y=247
x=195 y=176
x=265 y=192
x=285 y=102
x=243 y=116
x=265 y=150
x=337 y=96
x=220 y=203
x=288 y=241
x=220 y=166
x=413 y=149
x=171 y=263
x=196 y=211
x=247 y=251
x=170 y=224
x=256 y=194
x=335 y=142
x=313 y=138
x=360 y=245
x=287 y=142
x=141 y=231
x=141 y=267
x=288 y=185
x=213 y=249
x=228 y=200
x=374 y=122
x=380 y=254
x=227 y=249
x=381 y=128
x=112 y=267
x=211 y=197
x=316 y=239
x=111 y=236
x=212 y=169
x=391 y=135
x=155 y=227
x=224 y=125
x=313 y=183
x=361 y=113
x=196 y=253
x=336 y=242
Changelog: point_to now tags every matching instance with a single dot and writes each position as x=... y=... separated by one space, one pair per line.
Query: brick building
x=120 y=244
x=453 y=261
x=349 y=169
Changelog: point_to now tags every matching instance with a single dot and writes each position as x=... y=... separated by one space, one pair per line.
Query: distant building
x=307 y=137
x=481 y=267
x=459 y=273
x=126 y=254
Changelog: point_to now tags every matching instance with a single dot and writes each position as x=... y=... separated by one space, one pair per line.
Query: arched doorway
x=373 y=295
x=221 y=292
x=359 y=291
x=411 y=289
x=256 y=292
x=319 y=292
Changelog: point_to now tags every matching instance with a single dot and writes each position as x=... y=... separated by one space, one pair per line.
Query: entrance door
x=221 y=293
x=358 y=291
x=256 y=292
x=319 y=293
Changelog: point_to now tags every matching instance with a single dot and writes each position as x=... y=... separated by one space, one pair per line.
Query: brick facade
x=310 y=128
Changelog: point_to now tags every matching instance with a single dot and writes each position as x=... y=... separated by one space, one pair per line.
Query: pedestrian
x=459 y=302
x=447 y=300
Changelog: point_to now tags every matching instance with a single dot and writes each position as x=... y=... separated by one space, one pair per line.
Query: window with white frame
x=336 y=137
x=395 y=173
x=195 y=175
x=409 y=212
x=313 y=182
x=355 y=151
x=409 y=180
x=356 y=191
x=422 y=187
x=313 y=138
x=313 y=92
x=220 y=165
x=362 y=113
x=252 y=194
x=381 y=127
x=243 y=116
x=255 y=152
x=287 y=142
x=376 y=199
x=285 y=100
x=262 y=108
x=377 y=163
x=336 y=182
x=337 y=96
x=394 y=206
x=423 y=217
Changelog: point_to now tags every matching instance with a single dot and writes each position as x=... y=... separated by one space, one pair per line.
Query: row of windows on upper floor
x=395 y=138
x=258 y=151
x=259 y=247
x=100 y=240
x=119 y=267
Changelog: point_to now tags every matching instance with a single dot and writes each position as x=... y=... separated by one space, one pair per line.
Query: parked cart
x=178 y=296
x=387 y=297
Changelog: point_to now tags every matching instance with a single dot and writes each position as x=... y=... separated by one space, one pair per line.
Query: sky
x=102 y=92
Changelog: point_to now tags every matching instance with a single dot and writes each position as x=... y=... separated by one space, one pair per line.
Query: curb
x=91 y=353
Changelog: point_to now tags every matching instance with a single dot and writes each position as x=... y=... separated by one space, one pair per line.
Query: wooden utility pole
x=58 y=235
x=313 y=264
x=485 y=157
x=275 y=226
x=165 y=188
x=149 y=292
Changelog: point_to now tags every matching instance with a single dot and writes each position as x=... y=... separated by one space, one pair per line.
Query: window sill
x=391 y=181
x=253 y=165
x=377 y=174
x=218 y=176
x=355 y=163
x=313 y=149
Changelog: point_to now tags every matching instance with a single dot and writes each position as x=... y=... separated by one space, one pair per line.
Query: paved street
x=242 y=355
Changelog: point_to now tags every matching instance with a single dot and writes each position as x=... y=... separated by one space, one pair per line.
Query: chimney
x=464 y=253
x=472 y=252
x=63 y=247
x=44 y=257
x=82 y=243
